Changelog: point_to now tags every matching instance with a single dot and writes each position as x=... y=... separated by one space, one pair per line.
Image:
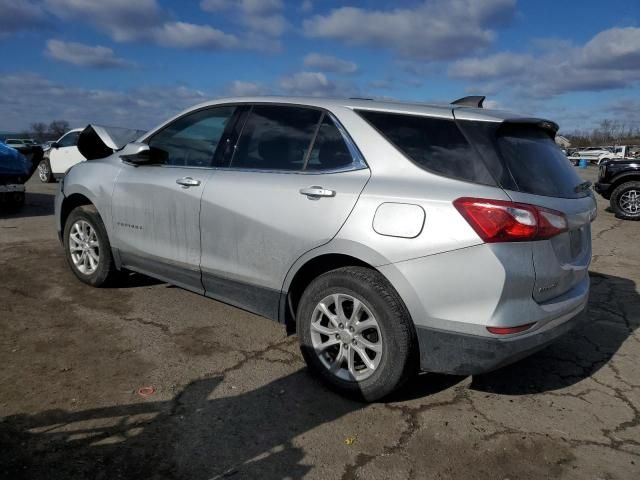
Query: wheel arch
x=69 y=203
x=315 y=263
x=624 y=178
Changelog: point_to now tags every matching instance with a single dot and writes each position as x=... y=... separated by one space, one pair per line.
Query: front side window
x=435 y=144
x=191 y=141
x=69 y=140
x=276 y=137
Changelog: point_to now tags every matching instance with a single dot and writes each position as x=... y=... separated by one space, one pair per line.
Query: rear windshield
x=434 y=144
x=537 y=164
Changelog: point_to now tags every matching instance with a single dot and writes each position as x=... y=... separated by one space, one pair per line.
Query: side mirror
x=55 y=145
x=136 y=153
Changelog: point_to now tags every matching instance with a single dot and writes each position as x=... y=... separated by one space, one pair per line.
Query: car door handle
x=316 y=192
x=187 y=182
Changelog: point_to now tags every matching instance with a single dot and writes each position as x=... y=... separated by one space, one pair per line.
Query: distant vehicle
x=61 y=156
x=15 y=170
x=20 y=142
x=387 y=235
x=619 y=182
x=598 y=155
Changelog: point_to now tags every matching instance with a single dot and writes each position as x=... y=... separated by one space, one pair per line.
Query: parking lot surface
x=231 y=397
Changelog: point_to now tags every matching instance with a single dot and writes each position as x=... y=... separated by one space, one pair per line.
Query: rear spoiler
x=97 y=141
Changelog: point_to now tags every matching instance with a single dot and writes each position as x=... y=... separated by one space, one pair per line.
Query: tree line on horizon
x=608 y=132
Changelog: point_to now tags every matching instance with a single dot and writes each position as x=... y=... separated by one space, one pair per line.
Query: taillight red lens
x=504 y=221
x=510 y=330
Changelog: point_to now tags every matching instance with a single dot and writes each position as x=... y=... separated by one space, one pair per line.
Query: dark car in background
x=15 y=170
x=619 y=182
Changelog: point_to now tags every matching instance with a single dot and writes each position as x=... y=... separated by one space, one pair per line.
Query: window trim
x=358 y=160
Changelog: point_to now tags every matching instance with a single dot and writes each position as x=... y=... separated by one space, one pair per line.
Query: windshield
x=536 y=163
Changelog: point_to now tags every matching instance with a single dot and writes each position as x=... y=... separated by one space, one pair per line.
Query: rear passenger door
x=288 y=182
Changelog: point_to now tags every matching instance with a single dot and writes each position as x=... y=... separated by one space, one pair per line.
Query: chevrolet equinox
x=390 y=237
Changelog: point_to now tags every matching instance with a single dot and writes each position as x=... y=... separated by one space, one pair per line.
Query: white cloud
x=16 y=15
x=610 y=60
x=261 y=17
x=433 y=30
x=142 y=20
x=329 y=63
x=188 y=35
x=500 y=64
x=28 y=98
x=617 y=48
x=240 y=88
x=314 y=84
x=84 y=55
x=306 y=6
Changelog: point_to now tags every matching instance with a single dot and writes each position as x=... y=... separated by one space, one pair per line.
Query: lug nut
x=337 y=336
x=354 y=341
x=351 y=329
x=340 y=325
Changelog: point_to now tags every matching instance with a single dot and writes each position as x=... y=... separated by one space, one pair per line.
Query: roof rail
x=472 y=101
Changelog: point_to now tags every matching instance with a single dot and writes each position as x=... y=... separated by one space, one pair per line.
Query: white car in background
x=596 y=155
x=62 y=155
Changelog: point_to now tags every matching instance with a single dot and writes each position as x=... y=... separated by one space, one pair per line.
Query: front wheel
x=44 y=171
x=625 y=201
x=87 y=247
x=355 y=333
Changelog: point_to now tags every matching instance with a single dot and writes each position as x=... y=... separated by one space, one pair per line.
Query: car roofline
x=396 y=106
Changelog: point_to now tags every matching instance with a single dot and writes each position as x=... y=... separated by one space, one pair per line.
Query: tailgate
x=561 y=262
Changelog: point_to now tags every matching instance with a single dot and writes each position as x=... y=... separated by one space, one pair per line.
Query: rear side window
x=537 y=164
x=329 y=151
x=276 y=138
x=434 y=144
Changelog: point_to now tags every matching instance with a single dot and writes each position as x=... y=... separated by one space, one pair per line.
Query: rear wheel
x=87 y=247
x=625 y=201
x=44 y=171
x=355 y=333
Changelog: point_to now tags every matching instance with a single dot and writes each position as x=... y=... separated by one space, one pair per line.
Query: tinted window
x=276 y=138
x=69 y=140
x=537 y=164
x=191 y=140
x=434 y=144
x=329 y=151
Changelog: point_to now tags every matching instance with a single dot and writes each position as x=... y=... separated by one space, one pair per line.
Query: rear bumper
x=461 y=354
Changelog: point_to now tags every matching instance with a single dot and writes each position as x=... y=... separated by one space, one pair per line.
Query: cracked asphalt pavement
x=233 y=398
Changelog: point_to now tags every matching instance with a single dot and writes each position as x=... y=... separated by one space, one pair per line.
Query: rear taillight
x=504 y=221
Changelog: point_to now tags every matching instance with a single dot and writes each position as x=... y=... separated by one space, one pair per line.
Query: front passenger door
x=156 y=208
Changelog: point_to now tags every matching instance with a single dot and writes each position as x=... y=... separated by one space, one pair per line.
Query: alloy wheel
x=43 y=172
x=84 y=247
x=346 y=337
x=630 y=202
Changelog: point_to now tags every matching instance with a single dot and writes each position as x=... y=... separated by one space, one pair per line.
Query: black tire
x=105 y=273
x=399 y=346
x=44 y=171
x=618 y=195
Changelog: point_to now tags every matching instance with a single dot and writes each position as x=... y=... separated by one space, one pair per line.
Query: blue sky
x=136 y=62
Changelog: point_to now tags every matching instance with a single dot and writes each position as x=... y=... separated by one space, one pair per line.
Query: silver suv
x=391 y=237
